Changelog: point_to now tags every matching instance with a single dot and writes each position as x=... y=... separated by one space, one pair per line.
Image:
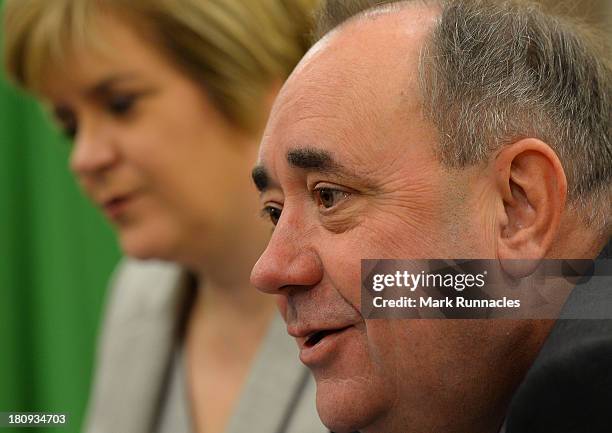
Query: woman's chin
x=146 y=245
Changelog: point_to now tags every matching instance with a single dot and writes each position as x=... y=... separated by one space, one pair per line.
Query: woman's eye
x=70 y=130
x=329 y=197
x=121 y=104
x=69 y=127
x=272 y=213
x=67 y=121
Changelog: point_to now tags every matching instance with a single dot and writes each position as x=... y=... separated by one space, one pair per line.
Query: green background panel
x=56 y=256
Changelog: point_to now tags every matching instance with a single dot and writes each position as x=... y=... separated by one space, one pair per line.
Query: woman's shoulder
x=144 y=288
x=138 y=334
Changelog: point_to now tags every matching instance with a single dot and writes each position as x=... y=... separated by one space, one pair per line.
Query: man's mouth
x=318 y=344
x=316 y=337
x=310 y=337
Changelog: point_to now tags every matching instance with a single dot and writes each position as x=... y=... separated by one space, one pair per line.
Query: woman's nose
x=93 y=151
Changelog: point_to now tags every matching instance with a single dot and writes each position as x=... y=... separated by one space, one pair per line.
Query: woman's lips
x=117 y=206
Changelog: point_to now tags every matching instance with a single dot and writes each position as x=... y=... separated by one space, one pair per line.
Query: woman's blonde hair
x=234 y=48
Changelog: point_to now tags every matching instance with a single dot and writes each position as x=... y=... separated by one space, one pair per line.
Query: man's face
x=348 y=163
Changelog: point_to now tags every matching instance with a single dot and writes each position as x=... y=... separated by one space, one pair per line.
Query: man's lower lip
x=328 y=344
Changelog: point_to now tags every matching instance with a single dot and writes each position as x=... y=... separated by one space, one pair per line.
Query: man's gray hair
x=494 y=72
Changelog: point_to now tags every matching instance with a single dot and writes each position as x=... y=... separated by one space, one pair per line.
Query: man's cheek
x=390 y=237
x=346 y=276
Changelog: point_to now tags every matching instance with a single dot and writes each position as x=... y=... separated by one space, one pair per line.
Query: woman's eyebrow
x=104 y=86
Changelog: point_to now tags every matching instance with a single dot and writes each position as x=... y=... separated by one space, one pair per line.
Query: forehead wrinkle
x=309 y=101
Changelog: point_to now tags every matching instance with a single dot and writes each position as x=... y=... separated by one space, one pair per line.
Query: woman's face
x=150 y=149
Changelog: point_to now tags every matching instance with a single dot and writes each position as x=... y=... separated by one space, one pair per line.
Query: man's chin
x=346 y=405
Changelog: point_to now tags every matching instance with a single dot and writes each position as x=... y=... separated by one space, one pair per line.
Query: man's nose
x=290 y=260
x=93 y=151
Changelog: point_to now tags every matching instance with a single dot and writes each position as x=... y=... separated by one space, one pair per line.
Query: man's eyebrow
x=260 y=178
x=312 y=159
x=306 y=159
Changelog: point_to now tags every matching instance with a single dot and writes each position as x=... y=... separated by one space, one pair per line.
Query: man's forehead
x=364 y=60
x=375 y=43
x=348 y=85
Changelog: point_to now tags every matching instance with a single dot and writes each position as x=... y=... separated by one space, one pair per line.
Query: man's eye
x=329 y=197
x=272 y=213
x=121 y=104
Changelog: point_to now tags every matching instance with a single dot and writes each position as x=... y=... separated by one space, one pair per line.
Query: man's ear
x=531 y=184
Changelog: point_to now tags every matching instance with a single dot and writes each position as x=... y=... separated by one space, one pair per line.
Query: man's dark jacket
x=569 y=387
